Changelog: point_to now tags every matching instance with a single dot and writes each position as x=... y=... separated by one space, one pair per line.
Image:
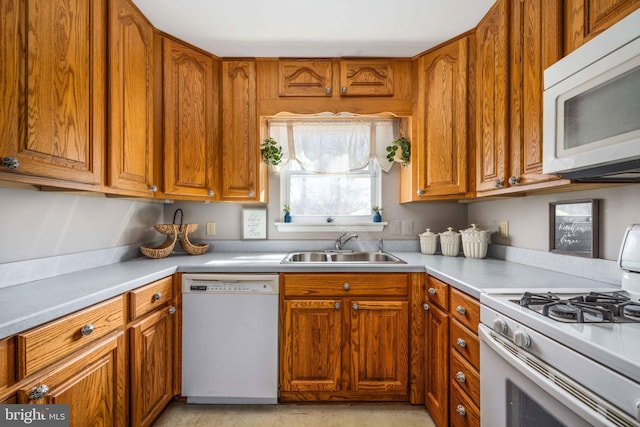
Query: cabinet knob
x=87 y=329
x=461 y=343
x=252 y=193
x=172 y=310
x=425 y=306
x=460 y=377
x=432 y=291
x=461 y=311
x=346 y=286
x=153 y=188
x=157 y=296
x=355 y=306
x=514 y=180
x=10 y=162
x=337 y=306
x=498 y=183
x=461 y=411
x=344 y=89
x=39 y=392
x=328 y=90
x=211 y=193
x=420 y=192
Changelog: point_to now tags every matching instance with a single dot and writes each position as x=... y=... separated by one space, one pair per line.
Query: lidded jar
x=428 y=242
x=450 y=242
x=475 y=242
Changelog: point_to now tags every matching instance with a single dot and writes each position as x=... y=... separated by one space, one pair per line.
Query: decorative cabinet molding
x=189 y=121
x=305 y=78
x=52 y=118
x=360 y=77
x=131 y=74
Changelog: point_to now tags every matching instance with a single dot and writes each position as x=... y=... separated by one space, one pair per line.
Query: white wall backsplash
x=529 y=217
x=35 y=224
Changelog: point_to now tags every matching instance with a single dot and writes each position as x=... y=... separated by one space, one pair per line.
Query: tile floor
x=179 y=414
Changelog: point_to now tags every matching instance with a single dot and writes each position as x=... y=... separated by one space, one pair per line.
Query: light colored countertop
x=31 y=304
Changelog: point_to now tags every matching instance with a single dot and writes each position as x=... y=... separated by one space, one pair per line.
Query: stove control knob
x=500 y=326
x=521 y=339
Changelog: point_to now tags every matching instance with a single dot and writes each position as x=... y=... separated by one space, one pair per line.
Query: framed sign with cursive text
x=573 y=228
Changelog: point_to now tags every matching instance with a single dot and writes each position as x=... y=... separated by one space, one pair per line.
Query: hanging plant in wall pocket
x=271 y=154
x=400 y=151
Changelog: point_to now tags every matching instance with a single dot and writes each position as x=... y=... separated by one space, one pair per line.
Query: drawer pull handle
x=461 y=343
x=157 y=296
x=10 y=162
x=355 y=306
x=461 y=411
x=39 y=392
x=337 y=306
x=346 y=286
x=172 y=310
x=432 y=291
x=87 y=329
x=461 y=311
x=425 y=307
x=460 y=377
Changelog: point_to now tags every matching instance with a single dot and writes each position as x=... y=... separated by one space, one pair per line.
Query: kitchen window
x=331 y=169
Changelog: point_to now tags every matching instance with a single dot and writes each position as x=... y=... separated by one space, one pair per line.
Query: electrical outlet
x=407 y=228
x=504 y=228
x=394 y=227
x=211 y=228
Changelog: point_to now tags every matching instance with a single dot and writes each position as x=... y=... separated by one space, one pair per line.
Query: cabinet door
x=242 y=170
x=492 y=98
x=130 y=149
x=366 y=77
x=92 y=384
x=379 y=351
x=311 y=345
x=585 y=19
x=304 y=78
x=151 y=365
x=441 y=156
x=437 y=365
x=52 y=92
x=189 y=123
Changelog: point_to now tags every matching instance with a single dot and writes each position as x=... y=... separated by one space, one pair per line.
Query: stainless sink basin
x=342 y=257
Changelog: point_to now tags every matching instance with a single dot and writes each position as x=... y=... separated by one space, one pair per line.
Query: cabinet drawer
x=465 y=376
x=51 y=342
x=337 y=285
x=149 y=297
x=438 y=292
x=464 y=413
x=465 y=309
x=465 y=342
x=7 y=362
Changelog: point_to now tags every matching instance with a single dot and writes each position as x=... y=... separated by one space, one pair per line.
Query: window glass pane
x=333 y=195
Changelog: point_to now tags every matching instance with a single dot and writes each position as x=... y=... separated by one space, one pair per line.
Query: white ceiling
x=319 y=28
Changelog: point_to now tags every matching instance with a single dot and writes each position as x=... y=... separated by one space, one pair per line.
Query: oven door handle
x=563 y=388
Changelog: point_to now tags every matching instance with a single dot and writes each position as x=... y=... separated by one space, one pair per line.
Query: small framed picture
x=254 y=223
x=573 y=228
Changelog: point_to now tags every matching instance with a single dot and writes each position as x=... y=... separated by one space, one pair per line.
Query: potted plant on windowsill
x=404 y=155
x=377 y=213
x=287 y=213
x=271 y=153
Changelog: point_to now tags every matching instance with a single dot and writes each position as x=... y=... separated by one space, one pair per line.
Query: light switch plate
x=211 y=228
x=407 y=228
x=504 y=228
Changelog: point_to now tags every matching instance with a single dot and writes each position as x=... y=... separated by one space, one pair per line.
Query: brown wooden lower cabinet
x=344 y=337
x=437 y=364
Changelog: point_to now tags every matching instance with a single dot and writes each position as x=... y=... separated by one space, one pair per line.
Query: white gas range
x=564 y=357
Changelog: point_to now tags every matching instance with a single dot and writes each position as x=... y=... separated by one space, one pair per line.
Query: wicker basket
x=191 y=248
x=162 y=250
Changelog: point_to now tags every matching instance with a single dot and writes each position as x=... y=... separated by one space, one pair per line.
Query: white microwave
x=591 y=122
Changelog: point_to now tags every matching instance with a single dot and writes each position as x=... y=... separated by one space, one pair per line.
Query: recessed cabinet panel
x=366 y=78
x=305 y=78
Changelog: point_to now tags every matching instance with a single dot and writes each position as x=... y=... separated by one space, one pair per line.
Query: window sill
x=322 y=227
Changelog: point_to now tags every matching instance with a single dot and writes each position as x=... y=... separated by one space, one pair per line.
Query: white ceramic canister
x=475 y=242
x=428 y=242
x=450 y=242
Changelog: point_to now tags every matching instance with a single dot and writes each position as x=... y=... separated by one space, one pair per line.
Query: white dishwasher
x=230 y=338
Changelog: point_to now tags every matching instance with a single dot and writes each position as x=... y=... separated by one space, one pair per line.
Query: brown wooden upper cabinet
x=131 y=73
x=585 y=19
x=305 y=78
x=366 y=77
x=516 y=41
x=189 y=121
x=439 y=165
x=52 y=118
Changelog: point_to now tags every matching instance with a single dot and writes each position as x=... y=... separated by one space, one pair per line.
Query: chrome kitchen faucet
x=341 y=240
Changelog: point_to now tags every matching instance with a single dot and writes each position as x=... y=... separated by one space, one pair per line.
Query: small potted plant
x=287 y=213
x=271 y=152
x=377 y=214
x=404 y=155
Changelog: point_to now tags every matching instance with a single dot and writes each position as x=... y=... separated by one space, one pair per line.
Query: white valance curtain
x=334 y=143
